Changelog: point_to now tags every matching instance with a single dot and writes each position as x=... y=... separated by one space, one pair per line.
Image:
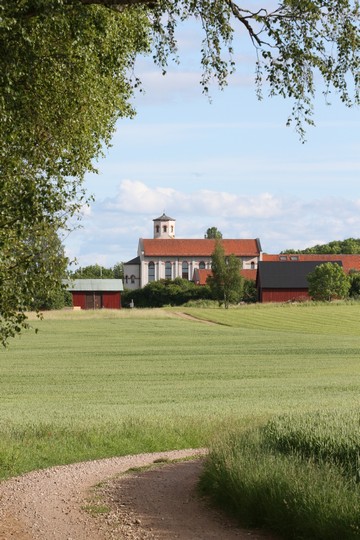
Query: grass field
x=95 y=384
x=101 y=373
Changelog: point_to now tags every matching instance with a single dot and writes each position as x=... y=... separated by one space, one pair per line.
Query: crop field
x=95 y=384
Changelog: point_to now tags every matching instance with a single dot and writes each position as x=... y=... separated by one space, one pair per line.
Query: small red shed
x=96 y=293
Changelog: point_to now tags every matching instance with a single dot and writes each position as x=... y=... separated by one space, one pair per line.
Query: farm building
x=167 y=257
x=96 y=293
x=285 y=281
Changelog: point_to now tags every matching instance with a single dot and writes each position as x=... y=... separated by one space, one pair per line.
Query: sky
x=229 y=162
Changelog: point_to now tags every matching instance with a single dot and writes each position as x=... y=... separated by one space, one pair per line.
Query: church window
x=132 y=279
x=168 y=270
x=164 y=228
x=201 y=265
x=252 y=265
x=185 y=270
x=151 y=271
x=157 y=228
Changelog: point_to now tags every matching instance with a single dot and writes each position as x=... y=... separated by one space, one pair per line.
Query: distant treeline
x=347 y=246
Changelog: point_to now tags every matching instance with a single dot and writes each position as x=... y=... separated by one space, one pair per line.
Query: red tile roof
x=174 y=247
x=201 y=275
x=350 y=262
x=249 y=274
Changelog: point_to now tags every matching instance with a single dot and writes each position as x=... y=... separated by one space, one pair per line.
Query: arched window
x=157 y=228
x=252 y=265
x=151 y=271
x=132 y=279
x=185 y=270
x=168 y=270
x=201 y=265
x=126 y=279
x=164 y=228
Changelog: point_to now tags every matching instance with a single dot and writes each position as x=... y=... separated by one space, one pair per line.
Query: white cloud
x=111 y=232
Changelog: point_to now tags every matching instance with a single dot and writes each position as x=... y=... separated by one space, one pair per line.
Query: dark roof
x=164 y=217
x=287 y=275
x=136 y=260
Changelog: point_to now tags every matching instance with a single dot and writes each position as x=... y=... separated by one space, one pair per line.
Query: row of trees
x=347 y=246
x=96 y=271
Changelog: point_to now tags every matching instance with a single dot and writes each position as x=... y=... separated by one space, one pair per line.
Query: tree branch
x=244 y=20
x=116 y=3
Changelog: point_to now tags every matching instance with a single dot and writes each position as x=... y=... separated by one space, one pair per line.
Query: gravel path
x=159 y=503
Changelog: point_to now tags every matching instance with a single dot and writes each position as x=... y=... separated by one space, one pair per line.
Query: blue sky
x=231 y=163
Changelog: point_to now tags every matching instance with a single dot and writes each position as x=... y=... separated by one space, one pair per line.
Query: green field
x=96 y=384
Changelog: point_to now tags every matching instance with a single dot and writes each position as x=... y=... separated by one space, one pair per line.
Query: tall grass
x=294 y=476
x=40 y=445
x=332 y=437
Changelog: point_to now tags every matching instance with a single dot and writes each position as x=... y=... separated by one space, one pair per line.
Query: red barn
x=285 y=281
x=96 y=293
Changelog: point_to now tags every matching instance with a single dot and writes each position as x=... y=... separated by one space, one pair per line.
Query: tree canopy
x=67 y=76
x=95 y=271
x=226 y=282
x=328 y=281
x=213 y=232
x=296 y=41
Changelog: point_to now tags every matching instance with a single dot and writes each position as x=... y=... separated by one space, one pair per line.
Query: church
x=166 y=257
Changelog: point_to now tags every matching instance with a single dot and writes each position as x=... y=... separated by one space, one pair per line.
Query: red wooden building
x=285 y=281
x=96 y=293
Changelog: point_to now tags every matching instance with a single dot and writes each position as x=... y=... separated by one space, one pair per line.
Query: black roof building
x=285 y=280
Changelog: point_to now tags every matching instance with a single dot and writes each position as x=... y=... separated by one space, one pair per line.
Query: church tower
x=164 y=227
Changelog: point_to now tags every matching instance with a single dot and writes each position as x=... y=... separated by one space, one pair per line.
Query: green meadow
x=96 y=384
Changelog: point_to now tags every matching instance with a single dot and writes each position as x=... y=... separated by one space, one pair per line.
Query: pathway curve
x=159 y=503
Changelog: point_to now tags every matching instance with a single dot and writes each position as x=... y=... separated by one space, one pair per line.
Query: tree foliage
x=65 y=78
x=165 y=292
x=213 y=233
x=31 y=269
x=328 y=282
x=225 y=282
x=250 y=292
x=354 y=277
x=93 y=271
x=296 y=41
x=347 y=246
x=96 y=271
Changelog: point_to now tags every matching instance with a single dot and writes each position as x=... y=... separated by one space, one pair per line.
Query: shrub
x=165 y=292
